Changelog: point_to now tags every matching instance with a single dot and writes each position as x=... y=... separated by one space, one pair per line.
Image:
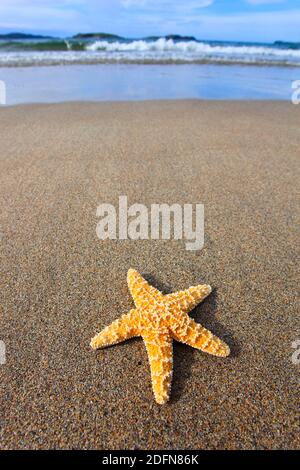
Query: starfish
x=159 y=319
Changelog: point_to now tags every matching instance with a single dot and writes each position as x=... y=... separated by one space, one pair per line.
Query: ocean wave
x=51 y=45
x=159 y=51
x=193 y=47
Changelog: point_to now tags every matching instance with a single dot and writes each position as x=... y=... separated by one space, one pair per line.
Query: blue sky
x=247 y=20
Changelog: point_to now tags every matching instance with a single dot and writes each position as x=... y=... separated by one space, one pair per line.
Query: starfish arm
x=121 y=329
x=187 y=299
x=195 y=335
x=160 y=353
x=141 y=291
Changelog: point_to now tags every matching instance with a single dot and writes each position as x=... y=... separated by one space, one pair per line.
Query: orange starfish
x=159 y=319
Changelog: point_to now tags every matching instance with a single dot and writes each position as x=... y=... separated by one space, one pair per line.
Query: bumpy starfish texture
x=159 y=319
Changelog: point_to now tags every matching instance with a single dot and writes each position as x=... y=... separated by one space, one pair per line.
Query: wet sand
x=60 y=284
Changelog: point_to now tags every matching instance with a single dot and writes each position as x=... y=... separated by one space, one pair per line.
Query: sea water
x=53 y=70
x=109 y=82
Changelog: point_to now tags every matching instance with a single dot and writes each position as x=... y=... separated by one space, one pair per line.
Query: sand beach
x=60 y=284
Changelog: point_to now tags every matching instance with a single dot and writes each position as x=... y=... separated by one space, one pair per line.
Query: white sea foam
x=157 y=51
x=199 y=48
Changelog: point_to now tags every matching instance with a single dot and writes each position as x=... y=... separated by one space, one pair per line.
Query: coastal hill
x=24 y=36
x=175 y=37
x=96 y=36
x=115 y=37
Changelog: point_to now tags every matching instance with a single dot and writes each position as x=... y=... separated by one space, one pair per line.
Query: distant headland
x=174 y=37
x=109 y=36
x=96 y=36
x=10 y=36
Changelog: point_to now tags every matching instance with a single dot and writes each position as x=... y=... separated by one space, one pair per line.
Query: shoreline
x=145 y=101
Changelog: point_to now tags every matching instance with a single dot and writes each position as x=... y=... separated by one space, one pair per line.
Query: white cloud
x=256 y=26
x=39 y=14
x=117 y=16
x=148 y=17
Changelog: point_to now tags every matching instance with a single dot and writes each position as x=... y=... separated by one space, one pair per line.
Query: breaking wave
x=161 y=50
x=191 y=47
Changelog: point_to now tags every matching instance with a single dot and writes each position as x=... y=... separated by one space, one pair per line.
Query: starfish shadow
x=164 y=288
x=183 y=356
